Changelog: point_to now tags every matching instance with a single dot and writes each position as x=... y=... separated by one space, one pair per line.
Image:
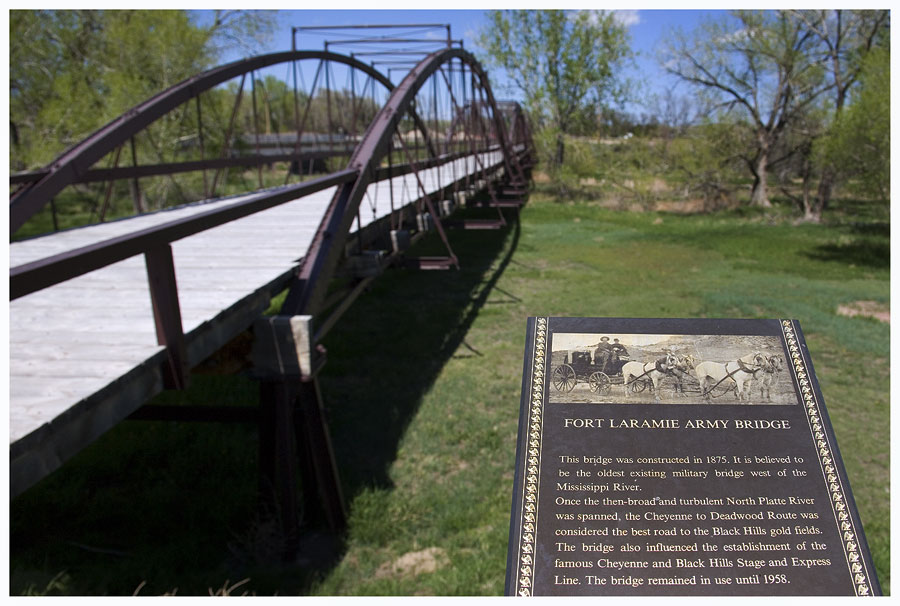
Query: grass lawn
x=422 y=389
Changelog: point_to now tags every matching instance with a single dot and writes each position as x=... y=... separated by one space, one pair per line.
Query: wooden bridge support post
x=319 y=470
x=277 y=459
x=295 y=446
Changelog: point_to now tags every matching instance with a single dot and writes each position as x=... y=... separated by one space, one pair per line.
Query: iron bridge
x=105 y=316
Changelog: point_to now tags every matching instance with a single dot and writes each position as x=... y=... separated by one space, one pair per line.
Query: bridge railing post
x=167 y=314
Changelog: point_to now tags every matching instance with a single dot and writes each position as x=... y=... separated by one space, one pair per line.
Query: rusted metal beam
x=152 y=170
x=167 y=314
x=73 y=166
x=78 y=159
x=308 y=289
x=369 y=26
x=389 y=40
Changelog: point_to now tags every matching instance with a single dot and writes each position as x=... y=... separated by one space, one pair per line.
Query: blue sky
x=646 y=28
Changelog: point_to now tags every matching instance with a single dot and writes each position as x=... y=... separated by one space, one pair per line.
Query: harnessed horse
x=633 y=371
x=741 y=372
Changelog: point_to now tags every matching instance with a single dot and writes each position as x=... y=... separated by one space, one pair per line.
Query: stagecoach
x=571 y=366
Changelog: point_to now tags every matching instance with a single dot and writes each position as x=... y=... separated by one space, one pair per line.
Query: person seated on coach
x=618 y=351
x=603 y=353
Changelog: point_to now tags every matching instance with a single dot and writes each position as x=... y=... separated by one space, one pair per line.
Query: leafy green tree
x=71 y=71
x=845 y=38
x=859 y=144
x=565 y=64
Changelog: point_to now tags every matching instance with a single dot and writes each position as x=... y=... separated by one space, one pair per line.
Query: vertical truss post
x=202 y=147
x=296 y=123
x=226 y=147
x=427 y=200
x=352 y=103
x=390 y=168
x=255 y=126
x=301 y=126
x=109 y=187
x=53 y=214
x=328 y=103
x=486 y=133
x=135 y=187
x=467 y=132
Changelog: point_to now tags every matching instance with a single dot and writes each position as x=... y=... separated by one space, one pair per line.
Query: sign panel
x=678 y=457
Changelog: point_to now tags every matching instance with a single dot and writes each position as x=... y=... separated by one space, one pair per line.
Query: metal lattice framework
x=437 y=139
x=306 y=297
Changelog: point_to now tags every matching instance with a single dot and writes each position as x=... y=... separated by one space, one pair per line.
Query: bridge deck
x=84 y=353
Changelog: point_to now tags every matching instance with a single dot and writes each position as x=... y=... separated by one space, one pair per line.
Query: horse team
x=739 y=375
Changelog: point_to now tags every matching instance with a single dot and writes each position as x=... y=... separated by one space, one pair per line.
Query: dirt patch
x=694 y=205
x=659 y=186
x=869 y=309
x=414 y=563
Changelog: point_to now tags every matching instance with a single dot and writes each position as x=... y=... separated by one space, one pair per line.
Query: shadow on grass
x=877 y=229
x=863 y=252
x=387 y=353
x=162 y=507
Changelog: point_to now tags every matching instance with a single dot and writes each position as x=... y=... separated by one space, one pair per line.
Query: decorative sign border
x=855 y=563
x=528 y=522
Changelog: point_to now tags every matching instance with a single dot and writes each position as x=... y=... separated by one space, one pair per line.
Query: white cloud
x=626 y=18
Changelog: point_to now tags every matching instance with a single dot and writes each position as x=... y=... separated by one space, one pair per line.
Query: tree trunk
x=560 y=151
x=811 y=211
x=807 y=204
x=760 y=196
x=826 y=186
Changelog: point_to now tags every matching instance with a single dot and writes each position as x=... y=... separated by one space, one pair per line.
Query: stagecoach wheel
x=564 y=378
x=638 y=385
x=600 y=382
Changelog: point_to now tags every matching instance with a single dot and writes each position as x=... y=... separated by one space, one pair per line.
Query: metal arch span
x=307 y=292
x=181 y=323
x=75 y=161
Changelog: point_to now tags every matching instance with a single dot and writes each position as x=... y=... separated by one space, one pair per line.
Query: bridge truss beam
x=440 y=117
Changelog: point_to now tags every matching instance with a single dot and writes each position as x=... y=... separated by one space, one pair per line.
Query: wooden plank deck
x=84 y=354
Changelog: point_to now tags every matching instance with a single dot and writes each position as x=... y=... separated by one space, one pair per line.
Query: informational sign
x=679 y=457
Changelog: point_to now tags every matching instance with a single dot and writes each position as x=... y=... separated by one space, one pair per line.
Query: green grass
x=422 y=392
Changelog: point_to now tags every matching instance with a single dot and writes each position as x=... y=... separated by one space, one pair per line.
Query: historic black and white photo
x=668 y=369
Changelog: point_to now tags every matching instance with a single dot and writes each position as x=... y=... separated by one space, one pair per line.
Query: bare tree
x=676 y=113
x=758 y=66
